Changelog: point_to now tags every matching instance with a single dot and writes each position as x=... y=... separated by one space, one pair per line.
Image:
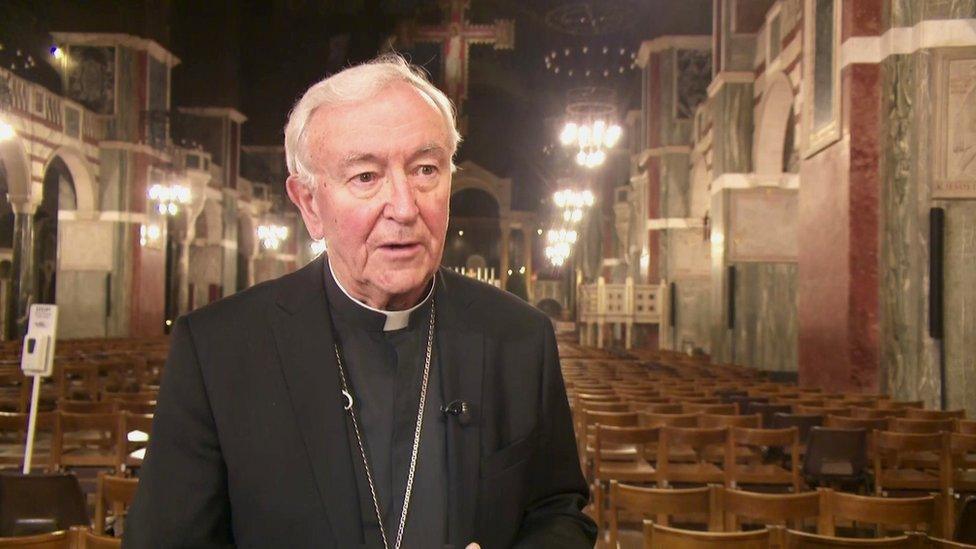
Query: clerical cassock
x=290 y=416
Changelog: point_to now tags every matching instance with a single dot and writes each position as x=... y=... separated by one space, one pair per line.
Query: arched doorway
x=771 y=150
x=474 y=229
x=551 y=307
x=58 y=194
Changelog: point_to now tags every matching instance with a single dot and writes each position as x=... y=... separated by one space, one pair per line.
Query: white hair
x=357 y=84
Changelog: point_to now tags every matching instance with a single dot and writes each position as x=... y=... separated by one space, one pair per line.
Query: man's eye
x=428 y=169
x=365 y=177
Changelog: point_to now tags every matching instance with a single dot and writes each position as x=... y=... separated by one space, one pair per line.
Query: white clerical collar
x=395 y=320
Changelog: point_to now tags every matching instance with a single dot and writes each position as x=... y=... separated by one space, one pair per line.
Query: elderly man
x=369 y=399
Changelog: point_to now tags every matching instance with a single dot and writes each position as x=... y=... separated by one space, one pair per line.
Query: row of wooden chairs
x=78 y=537
x=112 y=440
x=720 y=509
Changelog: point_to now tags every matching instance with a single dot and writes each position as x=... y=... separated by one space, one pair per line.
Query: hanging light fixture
x=169 y=197
x=272 y=235
x=589 y=127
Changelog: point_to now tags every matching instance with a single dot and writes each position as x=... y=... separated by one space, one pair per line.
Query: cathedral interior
x=776 y=197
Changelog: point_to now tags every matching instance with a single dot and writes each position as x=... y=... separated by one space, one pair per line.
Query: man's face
x=382 y=193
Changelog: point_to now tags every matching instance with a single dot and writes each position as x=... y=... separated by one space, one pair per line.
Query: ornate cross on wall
x=455 y=37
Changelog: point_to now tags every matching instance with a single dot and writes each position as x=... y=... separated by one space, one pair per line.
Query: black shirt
x=385 y=374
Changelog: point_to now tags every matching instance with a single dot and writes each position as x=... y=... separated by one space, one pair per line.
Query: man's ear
x=303 y=196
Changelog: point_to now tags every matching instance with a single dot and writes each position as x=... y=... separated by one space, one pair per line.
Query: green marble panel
x=675 y=186
x=909 y=358
x=766 y=316
x=692 y=314
x=960 y=305
x=732 y=132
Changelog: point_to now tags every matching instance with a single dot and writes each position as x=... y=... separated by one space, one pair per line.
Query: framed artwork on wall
x=821 y=75
x=955 y=128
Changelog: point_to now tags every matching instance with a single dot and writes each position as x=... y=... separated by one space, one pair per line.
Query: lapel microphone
x=459 y=409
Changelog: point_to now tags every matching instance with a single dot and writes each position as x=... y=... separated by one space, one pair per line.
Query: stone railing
x=36 y=102
x=624 y=304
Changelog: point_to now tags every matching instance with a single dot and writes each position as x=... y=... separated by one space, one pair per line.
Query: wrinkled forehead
x=394 y=122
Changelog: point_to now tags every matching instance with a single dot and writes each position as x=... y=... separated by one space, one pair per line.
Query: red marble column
x=839 y=215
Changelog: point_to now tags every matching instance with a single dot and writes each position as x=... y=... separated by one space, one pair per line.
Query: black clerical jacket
x=250 y=446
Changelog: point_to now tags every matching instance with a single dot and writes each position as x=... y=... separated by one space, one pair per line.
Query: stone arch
x=772 y=125
x=81 y=176
x=17 y=168
x=551 y=307
x=473 y=176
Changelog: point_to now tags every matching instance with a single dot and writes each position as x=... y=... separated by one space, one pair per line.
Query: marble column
x=503 y=255
x=22 y=290
x=527 y=261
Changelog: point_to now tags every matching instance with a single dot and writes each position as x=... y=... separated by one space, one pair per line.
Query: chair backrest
x=55 y=540
x=868 y=424
x=890 y=448
x=716 y=409
x=70 y=427
x=607 y=436
x=915 y=413
x=657 y=536
x=40 y=503
x=965 y=530
x=88 y=540
x=767 y=411
x=673 y=420
x=802 y=422
x=877 y=413
x=115 y=493
x=617 y=419
x=663 y=503
x=771 y=509
x=903 y=425
x=753 y=421
x=659 y=407
x=966 y=426
x=793 y=539
x=824 y=410
x=889 y=512
x=835 y=454
x=86 y=407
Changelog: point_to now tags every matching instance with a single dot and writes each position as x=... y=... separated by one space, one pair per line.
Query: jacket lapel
x=462 y=350
x=303 y=334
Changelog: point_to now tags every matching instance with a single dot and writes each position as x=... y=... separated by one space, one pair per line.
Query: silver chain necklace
x=347 y=395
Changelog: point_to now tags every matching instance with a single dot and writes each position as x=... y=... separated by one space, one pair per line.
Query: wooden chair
x=823 y=410
x=77 y=537
x=877 y=413
x=638 y=469
x=802 y=540
x=836 y=457
x=715 y=409
x=701 y=471
x=884 y=512
x=768 y=509
x=116 y=494
x=649 y=419
x=708 y=420
x=868 y=424
x=920 y=426
x=901 y=459
x=662 y=504
x=86 y=407
x=134 y=433
x=657 y=536
x=13 y=439
x=966 y=426
x=85 y=440
x=756 y=472
x=914 y=413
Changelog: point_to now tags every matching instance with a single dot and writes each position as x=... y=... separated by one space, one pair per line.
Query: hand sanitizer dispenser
x=37 y=360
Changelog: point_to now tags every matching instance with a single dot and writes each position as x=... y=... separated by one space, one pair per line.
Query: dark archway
x=58 y=194
x=551 y=307
x=474 y=229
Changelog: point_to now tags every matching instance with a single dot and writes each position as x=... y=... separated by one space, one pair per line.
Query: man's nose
x=402 y=204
